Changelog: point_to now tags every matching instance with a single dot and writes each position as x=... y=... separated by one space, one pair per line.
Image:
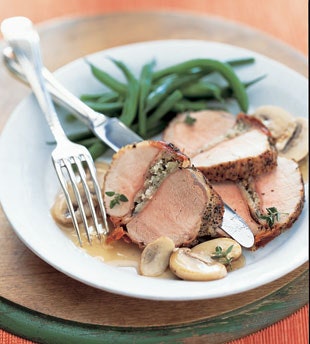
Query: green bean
x=241 y=61
x=97 y=149
x=131 y=101
x=145 y=87
x=169 y=85
x=106 y=108
x=162 y=81
x=157 y=129
x=152 y=130
x=216 y=66
x=164 y=107
x=228 y=91
x=88 y=142
x=92 y=97
x=198 y=105
x=207 y=90
x=203 y=89
x=254 y=81
x=108 y=97
x=80 y=135
x=108 y=80
x=198 y=64
x=70 y=118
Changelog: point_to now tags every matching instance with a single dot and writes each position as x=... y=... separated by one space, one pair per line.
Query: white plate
x=28 y=184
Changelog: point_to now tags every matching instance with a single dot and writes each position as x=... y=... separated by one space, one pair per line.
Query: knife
x=116 y=135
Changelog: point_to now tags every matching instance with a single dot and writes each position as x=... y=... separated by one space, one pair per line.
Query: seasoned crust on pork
x=213 y=214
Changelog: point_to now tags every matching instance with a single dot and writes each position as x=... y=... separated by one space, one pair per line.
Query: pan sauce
x=121 y=254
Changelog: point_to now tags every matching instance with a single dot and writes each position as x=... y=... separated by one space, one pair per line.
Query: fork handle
x=59 y=93
x=25 y=41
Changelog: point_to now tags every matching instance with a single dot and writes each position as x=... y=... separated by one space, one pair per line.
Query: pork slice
x=283 y=189
x=179 y=209
x=247 y=150
x=208 y=125
x=128 y=170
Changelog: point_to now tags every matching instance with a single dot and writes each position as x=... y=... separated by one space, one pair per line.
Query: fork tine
x=63 y=184
x=97 y=189
x=72 y=178
x=87 y=192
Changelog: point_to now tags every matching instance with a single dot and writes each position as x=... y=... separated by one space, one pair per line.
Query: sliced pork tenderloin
x=281 y=190
x=223 y=146
x=166 y=196
x=247 y=150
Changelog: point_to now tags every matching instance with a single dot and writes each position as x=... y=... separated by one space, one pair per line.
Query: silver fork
x=71 y=161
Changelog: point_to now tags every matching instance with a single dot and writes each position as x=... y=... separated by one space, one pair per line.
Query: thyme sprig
x=222 y=256
x=189 y=120
x=116 y=199
x=272 y=215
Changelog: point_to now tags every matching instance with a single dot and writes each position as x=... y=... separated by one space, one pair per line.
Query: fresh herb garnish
x=189 y=120
x=222 y=256
x=116 y=199
x=272 y=215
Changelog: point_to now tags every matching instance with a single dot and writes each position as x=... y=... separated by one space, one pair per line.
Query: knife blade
x=116 y=135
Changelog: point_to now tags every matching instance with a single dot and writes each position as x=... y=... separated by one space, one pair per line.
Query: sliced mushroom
x=192 y=266
x=280 y=123
x=60 y=212
x=297 y=146
x=155 y=257
x=209 y=248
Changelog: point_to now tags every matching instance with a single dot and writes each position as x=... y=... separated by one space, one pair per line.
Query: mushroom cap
x=298 y=146
x=209 y=247
x=192 y=266
x=155 y=257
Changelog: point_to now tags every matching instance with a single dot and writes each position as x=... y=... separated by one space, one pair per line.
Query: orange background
x=285 y=20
